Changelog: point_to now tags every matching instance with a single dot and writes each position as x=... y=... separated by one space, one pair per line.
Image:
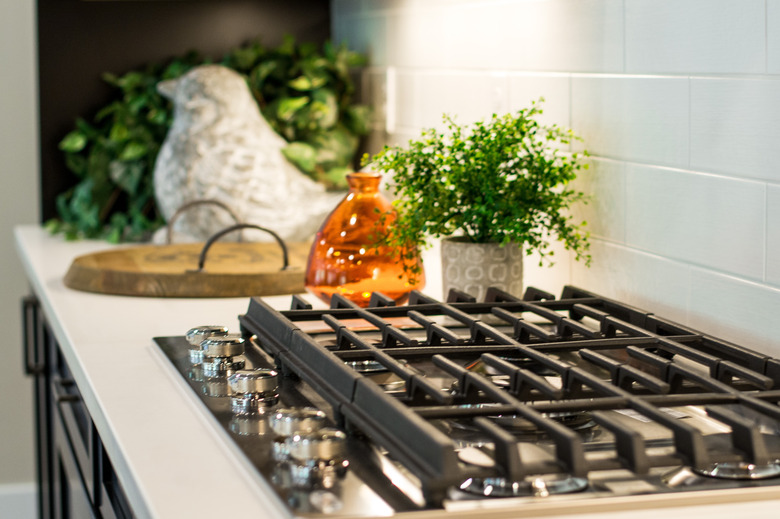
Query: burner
x=686 y=477
x=367 y=366
x=581 y=422
x=381 y=375
x=532 y=486
x=741 y=470
x=479 y=366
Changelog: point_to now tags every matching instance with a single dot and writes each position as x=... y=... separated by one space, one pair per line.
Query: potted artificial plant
x=494 y=191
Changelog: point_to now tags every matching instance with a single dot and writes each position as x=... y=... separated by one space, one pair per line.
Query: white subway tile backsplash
x=441 y=93
x=734 y=127
x=555 y=89
x=364 y=34
x=524 y=35
x=474 y=35
x=702 y=219
x=551 y=278
x=641 y=119
x=650 y=282
x=373 y=93
x=564 y=35
x=735 y=310
x=374 y=142
x=773 y=235
x=404 y=107
x=773 y=36
x=402 y=137
x=695 y=36
x=605 y=183
x=414 y=39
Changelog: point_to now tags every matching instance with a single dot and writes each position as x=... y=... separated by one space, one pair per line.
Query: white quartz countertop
x=170 y=456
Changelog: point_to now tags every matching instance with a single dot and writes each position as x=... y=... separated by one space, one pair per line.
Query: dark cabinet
x=75 y=476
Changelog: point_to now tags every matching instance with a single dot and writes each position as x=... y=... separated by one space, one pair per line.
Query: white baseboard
x=17 y=501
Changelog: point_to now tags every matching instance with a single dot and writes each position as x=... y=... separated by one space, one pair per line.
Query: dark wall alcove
x=80 y=40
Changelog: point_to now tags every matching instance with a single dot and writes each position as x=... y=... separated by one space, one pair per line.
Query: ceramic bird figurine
x=220 y=147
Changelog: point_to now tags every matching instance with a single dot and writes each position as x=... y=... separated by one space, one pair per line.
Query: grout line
x=571 y=105
x=766 y=233
x=432 y=71
x=690 y=118
x=625 y=47
x=390 y=99
x=688 y=295
x=691 y=171
x=624 y=172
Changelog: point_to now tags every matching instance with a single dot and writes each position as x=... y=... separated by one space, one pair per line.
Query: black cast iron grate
x=602 y=355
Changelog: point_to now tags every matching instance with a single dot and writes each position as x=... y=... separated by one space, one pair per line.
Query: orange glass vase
x=344 y=258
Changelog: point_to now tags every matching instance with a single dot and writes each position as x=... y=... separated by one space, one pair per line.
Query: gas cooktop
x=498 y=403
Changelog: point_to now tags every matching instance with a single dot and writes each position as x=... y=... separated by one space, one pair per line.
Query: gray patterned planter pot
x=473 y=267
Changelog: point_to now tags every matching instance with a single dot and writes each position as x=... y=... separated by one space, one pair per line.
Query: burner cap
x=741 y=470
x=532 y=486
x=367 y=366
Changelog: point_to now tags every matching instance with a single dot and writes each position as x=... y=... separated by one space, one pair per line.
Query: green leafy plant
x=305 y=94
x=501 y=181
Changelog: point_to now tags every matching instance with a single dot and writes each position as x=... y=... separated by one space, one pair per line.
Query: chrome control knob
x=215 y=387
x=220 y=367
x=249 y=425
x=327 y=444
x=253 y=390
x=254 y=381
x=222 y=346
x=288 y=422
x=318 y=459
x=218 y=353
x=196 y=335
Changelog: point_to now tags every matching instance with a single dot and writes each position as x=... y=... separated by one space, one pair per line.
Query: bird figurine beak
x=167 y=88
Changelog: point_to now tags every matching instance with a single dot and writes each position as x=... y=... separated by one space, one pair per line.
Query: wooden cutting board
x=231 y=270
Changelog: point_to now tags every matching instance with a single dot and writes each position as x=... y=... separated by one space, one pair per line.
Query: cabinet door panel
x=70 y=497
x=77 y=425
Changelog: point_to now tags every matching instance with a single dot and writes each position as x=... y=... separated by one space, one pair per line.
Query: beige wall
x=18 y=204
